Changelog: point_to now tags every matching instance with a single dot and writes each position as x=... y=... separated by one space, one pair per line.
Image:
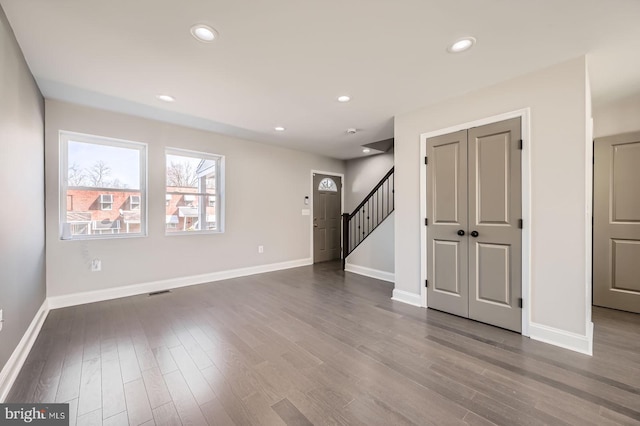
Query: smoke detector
x=351 y=131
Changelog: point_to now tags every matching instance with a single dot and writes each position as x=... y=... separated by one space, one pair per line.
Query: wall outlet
x=96 y=265
x=260 y=249
x=1 y=320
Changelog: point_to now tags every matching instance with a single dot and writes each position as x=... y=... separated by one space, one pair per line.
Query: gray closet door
x=495 y=208
x=474 y=242
x=447 y=251
x=616 y=223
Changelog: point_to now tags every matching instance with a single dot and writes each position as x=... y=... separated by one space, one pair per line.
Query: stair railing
x=370 y=213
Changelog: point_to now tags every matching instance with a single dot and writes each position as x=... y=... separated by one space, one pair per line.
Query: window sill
x=97 y=237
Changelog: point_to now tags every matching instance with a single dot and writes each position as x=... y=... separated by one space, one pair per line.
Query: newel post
x=345 y=238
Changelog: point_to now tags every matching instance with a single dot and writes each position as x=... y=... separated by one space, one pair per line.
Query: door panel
x=626 y=203
x=320 y=240
x=616 y=223
x=447 y=253
x=493 y=265
x=495 y=205
x=446 y=200
x=493 y=166
x=446 y=269
x=327 y=210
x=626 y=266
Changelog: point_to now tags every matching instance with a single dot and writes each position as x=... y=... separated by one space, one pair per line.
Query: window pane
x=103 y=166
x=327 y=184
x=103 y=187
x=181 y=171
x=191 y=203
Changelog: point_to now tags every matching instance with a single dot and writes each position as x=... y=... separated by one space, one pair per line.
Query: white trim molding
x=74 y=299
x=406 y=297
x=370 y=272
x=17 y=359
x=562 y=338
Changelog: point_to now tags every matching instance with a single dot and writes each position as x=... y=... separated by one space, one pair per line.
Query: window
x=106 y=202
x=172 y=221
x=327 y=184
x=195 y=192
x=102 y=187
x=134 y=202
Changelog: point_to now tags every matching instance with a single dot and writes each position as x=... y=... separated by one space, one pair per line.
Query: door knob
x=474 y=234
x=315 y=225
x=461 y=233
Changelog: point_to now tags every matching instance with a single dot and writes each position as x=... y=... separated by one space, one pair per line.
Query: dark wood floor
x=314 y=345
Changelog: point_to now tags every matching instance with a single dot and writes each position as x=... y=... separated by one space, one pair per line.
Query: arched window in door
x=327 y=184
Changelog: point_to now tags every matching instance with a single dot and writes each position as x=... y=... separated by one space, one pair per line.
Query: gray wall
x=620 y=116
x=560 y=203
x=377 y=250
x=362 y=174
x=22 y=260
x=265 y=190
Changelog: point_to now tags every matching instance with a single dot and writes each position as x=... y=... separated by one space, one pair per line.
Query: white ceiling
x=284 y=62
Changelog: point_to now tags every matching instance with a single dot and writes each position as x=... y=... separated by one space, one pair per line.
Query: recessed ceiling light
x=279 y=129
x=344 y=98
x=366 y=150
x=204 y=33
x=462 y=45
x=166 y=98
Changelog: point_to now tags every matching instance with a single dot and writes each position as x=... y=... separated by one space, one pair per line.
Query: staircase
x=370 y=213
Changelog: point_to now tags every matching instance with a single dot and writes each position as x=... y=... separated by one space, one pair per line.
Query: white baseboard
x=17 y=359
x=133 y=290
x=406 y=297
x=562 y=338
x=370 y=272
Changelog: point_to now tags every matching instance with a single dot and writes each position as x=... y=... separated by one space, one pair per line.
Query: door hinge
x=520 y=223
x=520 y=144
x=426 y=160
x=426 y=222
x=426 y=283
x=519 y=302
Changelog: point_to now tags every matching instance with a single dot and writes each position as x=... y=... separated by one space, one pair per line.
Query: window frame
x=219 y=193
x=64 y=137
